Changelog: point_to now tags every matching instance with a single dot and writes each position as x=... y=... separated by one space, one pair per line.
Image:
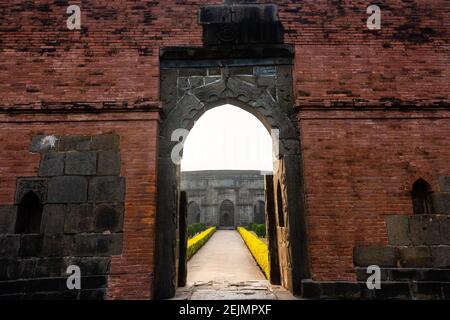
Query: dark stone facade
x=82 y=199
x=208 y=191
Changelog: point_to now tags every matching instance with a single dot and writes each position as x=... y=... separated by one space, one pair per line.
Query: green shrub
x=196 y=228
x=260 y=230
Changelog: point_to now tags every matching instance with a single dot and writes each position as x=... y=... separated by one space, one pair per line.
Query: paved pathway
x=224 y=269
x=224 y=257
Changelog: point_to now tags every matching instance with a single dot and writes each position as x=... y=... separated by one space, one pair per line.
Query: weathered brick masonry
x=372 y=106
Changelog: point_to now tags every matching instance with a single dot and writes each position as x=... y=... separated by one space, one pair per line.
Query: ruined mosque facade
x=224 y=198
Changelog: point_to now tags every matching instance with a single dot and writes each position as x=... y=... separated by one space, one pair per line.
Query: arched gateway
x=226 y=214
x=189 y=87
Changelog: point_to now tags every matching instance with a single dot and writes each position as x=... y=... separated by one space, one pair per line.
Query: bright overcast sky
x=228 y=137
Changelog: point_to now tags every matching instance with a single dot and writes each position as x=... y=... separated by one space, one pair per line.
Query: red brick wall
x=337 y=58
x=131 y=273
x=365 y=165
x=359 y=167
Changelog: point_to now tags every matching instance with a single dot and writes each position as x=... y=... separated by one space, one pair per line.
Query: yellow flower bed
x=196 y=242
x=259 y=249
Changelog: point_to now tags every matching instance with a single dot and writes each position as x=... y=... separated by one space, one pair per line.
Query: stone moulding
x=84 y=106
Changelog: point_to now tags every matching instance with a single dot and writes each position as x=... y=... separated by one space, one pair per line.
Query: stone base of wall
x=390 y=290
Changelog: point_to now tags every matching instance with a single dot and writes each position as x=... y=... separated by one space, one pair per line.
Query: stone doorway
x=226 y=213
x=259 y=82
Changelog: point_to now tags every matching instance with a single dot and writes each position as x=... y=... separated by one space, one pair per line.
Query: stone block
x=26 y=268
x=30 y=245
x=12 y=287
x=53 y=219
x=36 y=185
x=107 y=189
x=8 y=269
x=404 y=274
x=68 y=243
x=46 y=285
x=95 y=294
x=67 y=190
x=446 y=290
x=266 y=71
x=81 y=163
x=398 y=230
x=188 y=72
x=97 y=245
x=49 y=267
x=9 y=245
x=44 y=143
x=393 y=290
x=85 y=245
x=109 y=218
x=195 y=82
x=75 y=143
x=89 y=265
x=424 y=230
x=79 y=219
x=209 y=80
x=214 y=72
x=8 y=215
x=427 y=291
x=311 y=290
x=366 y=293
x=238 y=13
x=62 y=295
x=435 y=275
x=440 y=203
x=266 y=81
x=364 y=256
x=110 y=244
x=240 y=71
x=52 y=164
x=340 y=290
x=444 y=184
x=53 y=246
x=440 y=256
x=108 y=163
x=444 y=223
x=108 y=141
x=415 y=257
x=94 y=282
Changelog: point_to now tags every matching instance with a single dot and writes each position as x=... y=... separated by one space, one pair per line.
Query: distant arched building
x=225 y=198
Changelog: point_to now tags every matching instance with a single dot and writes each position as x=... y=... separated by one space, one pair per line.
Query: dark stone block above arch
x=241 y=23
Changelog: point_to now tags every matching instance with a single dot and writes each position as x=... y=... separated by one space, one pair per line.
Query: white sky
x=227 y=137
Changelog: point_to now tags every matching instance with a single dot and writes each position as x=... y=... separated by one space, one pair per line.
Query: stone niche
x=81 y=197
